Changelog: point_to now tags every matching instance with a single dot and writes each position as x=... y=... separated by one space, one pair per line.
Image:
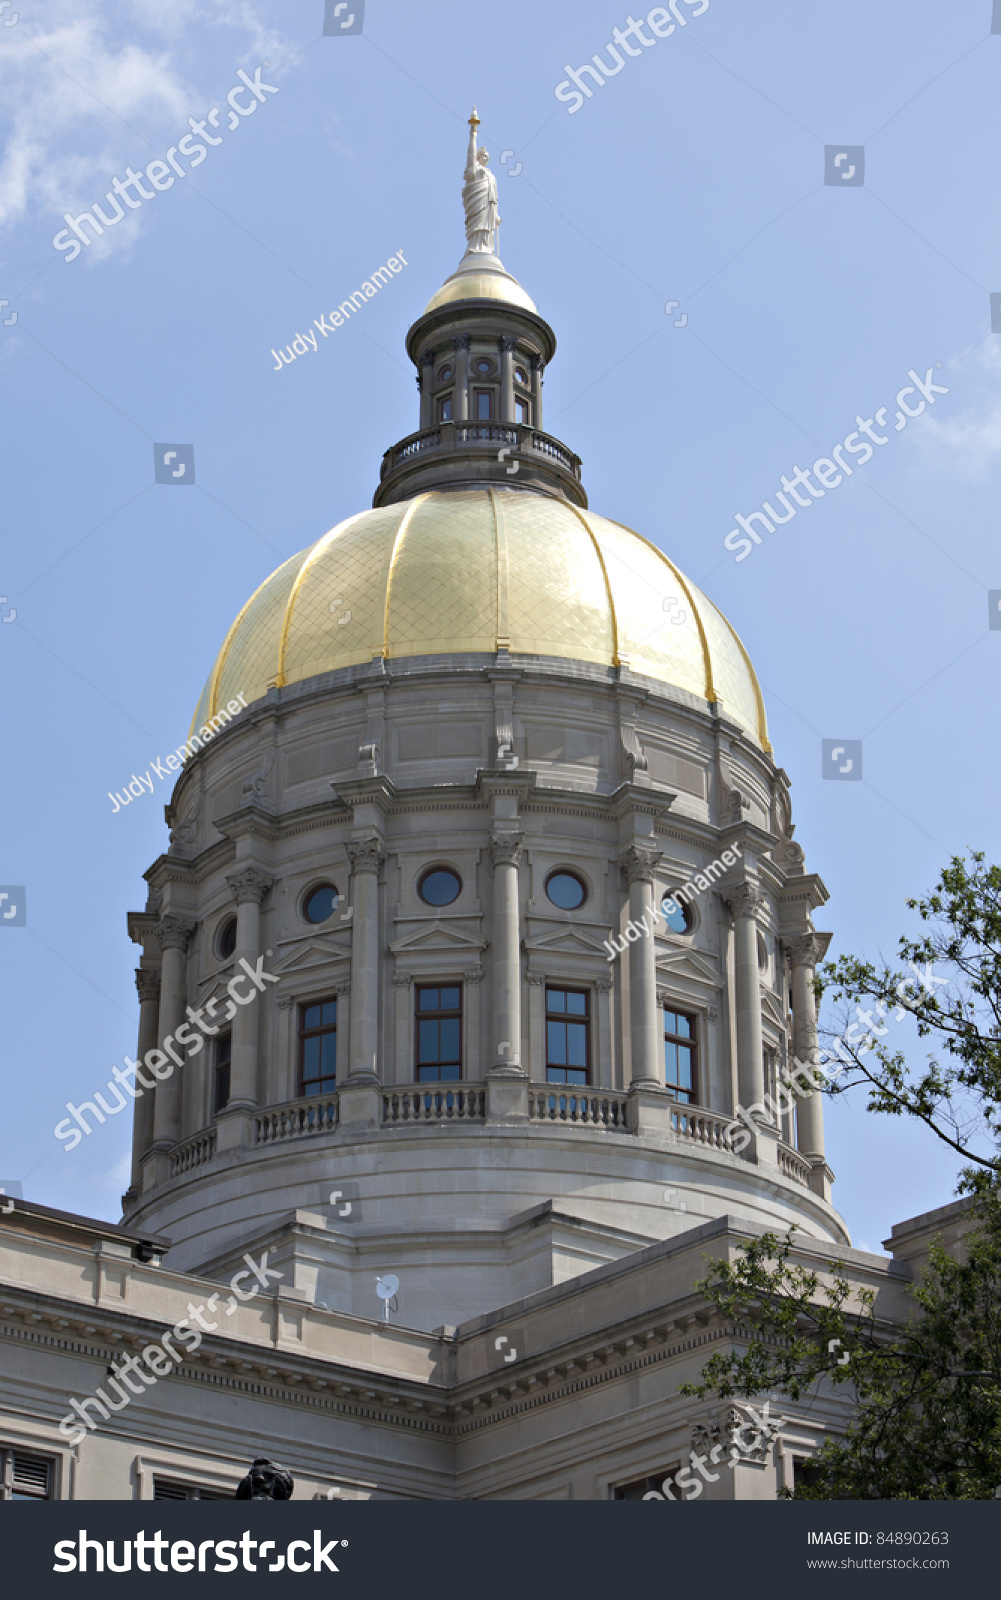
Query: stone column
x=460 y=408
x=536 y=366
x=646 y=1036
x=506 y=347
x=249 y=887
x=148 y=989
x=366 y=857
x=802 y=953
x=744 y=901
x=505 y=853
x=173 y=933
x=425 y=382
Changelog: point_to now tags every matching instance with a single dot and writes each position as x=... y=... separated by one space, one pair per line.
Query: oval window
x=320 y=903
x=227 y=939
x=439 y=887
x=677 y=916
x=444 y=374
x=521 y=376
x=484 y=366
x=565 y=890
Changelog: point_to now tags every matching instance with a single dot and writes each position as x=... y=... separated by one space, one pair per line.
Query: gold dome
x=481 y=286
x=474 y=571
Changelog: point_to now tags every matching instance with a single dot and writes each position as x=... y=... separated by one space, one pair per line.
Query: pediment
x=772 y=1007
x=570 y=941
x=311 y=953
x=683 y=962
x=436 y=937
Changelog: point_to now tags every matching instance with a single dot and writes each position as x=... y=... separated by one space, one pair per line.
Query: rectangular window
x=484 y=401
x=445 y=408
x=438 y=1030
x=24 y=1476
x=679 y=1056
x=318 y=1047
x=223 y=1057
x=521 y=410
x=167 y=1489
x=640 y=1487
x=568 y=1043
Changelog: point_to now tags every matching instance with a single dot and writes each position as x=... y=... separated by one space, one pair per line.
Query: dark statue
x=266 y=1480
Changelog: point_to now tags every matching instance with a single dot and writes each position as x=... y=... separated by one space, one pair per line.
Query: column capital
x=474 y=975
x=147 y=984
x=506 y=848
x=506 y=344
x=174 y=932
x=403 y=980
x=365 y=855
x=744 y=900
x=461 y=341
x=639 y=863
x=802 y=950
x=248 y=885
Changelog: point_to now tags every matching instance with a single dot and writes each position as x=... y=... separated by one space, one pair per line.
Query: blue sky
x=696 y=174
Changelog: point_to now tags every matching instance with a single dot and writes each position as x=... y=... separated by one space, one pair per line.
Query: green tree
x=927 y=1395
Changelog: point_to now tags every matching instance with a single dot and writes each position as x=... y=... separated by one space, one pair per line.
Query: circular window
x=320 y=902
x=566 y=890
x=521 y=376
x=484 y=366
x=677 y=916
x=444 y=374
x=226 y=942
x=439 y=887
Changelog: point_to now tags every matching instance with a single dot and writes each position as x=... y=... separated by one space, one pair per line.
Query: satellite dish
x=386 y=1289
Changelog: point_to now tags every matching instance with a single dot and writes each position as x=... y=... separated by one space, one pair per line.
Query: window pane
x=671 y=1060
x=521 y=406
x=445 y=409
x=450 y=999
x=440 y=888
x=330 y=1011
x=576 y=1077
x=427 y=999
x=557 y=1050
x=311 y=1058
x=328 y=1054
x=449 y=1046
x=565 y=891
x=452 y=1073
x=427 y=1074
x=576 y=1044
x=684 y=1066
x=483 y=406
x=577 y=1003
x=555 y=1000
x=684 y=1026
x=427 y=1044
x=311 y=1017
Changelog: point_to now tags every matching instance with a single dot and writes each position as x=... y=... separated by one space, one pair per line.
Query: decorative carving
x=803 y=950
x=733 y=801
x=603 y=985
x=474 y=975
x=640 y=862
x=249 y=885
x=174 y=933
x=461 y=341
x=259 y=782
x=506 y=345
x=403 y=980
x=285 y=1002
x=789 y=857
x=365 y=855
x=147 y=984
x=632 y=750
x=186 y=832
x=536 y=979
x=368 y=759
x=479 y=197
x=744 y=900
x=506 y=848
x=266 y=1480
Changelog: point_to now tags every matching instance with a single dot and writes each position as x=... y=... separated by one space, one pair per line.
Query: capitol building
x=503 y=830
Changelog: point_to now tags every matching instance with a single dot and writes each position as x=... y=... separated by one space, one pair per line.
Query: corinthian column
x=460 y=393
x=505 y=853
x=148 y=989
x=173 y=934
x=646 y=1036
x=366 y=857
x=506 y=347
x=744 y=902
x=249 y=886
x=802 y=953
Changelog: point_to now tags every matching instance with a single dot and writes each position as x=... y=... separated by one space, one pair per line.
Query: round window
x=677 y=916
x=444 y=374
x=439 y=887
x=565 y=890
x=320 y=903
x=227 y=939
x=521 y=376
x=484 y=366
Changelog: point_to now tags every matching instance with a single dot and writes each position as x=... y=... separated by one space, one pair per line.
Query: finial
x=474 y=120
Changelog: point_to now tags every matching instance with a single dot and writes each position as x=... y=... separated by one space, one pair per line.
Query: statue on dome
x=479 y=198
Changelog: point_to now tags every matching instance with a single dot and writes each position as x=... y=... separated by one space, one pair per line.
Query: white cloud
x=969 y=443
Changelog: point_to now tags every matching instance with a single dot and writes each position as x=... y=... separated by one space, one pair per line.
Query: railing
x=691 y=1122
x=551 y=1103
x=549 y=446
x=434 y=1105
x=792 y=1165
x=429 y=440
x=193 y=1154
x=486 y=433
x=448 y=436
x=296 y=1121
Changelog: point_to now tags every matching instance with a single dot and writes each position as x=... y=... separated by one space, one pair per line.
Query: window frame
x=437 y=1015
x=555 y=1016
x=445 y=403
x=219 y=1068
x=314 y=1087
x=523 y=404
x=681 y=1096
x=8 y=1487
x=189 y=1491
x=488 y=395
